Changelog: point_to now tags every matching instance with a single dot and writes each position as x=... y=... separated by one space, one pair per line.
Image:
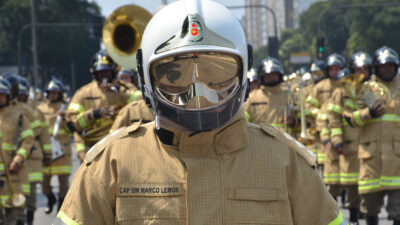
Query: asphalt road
x=43 y=219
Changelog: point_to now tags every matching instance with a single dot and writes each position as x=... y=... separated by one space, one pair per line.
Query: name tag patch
x=150 y=190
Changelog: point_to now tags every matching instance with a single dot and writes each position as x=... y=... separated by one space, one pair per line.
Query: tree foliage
x=58 y=47
x=345 y=30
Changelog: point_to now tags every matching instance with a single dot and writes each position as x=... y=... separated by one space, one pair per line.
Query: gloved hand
x=377 y=109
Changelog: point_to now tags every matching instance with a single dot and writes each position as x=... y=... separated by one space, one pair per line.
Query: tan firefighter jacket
x=267 y=105
x=16 y=149
x=379 y=144
x=42 y=147
x=238 y=174
x=131 y=113
x=88 y=99
x=340 y=107
x=62 y=165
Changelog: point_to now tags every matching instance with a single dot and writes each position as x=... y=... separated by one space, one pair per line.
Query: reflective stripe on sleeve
x=45 y=124
x=247 y=115
x=313 y=101
x=1 y=167
x=35 y=124
x=26 y=189
x=357 y=118
x=349 y=103
x=322 y=116
x=80 y=147
x=340 y=220
x=277 y=125
x=324 y=131
x=335 y=108
x=23 y=152
x=26 y=133
x=336 y=131
x=76 y=107
x=60 y=131
x=82 y=121
x=321 y=158
x=344 y=122
x=315 y=112
x=134 y=96
x=63 y=219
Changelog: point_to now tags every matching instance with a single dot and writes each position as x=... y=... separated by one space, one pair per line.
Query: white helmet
x=194 y=60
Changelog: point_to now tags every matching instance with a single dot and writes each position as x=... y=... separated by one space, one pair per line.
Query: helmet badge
x=195 y=29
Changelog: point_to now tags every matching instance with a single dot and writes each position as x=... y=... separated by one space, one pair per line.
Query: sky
x=108 y=6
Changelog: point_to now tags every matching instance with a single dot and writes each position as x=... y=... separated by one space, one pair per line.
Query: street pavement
x=43 y=219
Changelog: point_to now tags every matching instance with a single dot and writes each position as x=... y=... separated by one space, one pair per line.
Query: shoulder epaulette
x=106 y=141
x=302 y=150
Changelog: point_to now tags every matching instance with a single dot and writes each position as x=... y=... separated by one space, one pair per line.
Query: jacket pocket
x=257 y=206
x=151 y=210
x=367 y=149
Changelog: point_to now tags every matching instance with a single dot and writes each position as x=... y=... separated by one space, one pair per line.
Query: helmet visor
x=196 y=80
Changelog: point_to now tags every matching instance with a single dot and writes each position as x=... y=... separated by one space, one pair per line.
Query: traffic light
x=273 y=47
x=320 y=47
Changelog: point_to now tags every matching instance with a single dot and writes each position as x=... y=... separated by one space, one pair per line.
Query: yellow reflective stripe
x=57 y=169
x=324 y=131
x=26 y=133
x=369 y=184
x=76 y=107
x=1 y=134
x=35 y=124
x=313 y=101
x=336 y=131
x=247 y=115
x=322 y=116
x=331 y=177
x=315 y=112
x=80 y=147
x=23 y=152
x=1 y=167
x=26 y=188
x=344 y=122
x=315 y=151
x=277 y=125
x=390 y=181
x=82 y=121
x=7 y=146
x=349 y=177
x=335 y=108
x=35 y=176
x=321 y=157
x=45 y=124
x=65 y=219
x=357 y=118
x=134 y=96
x=349 y=103
x=385 y=118
x=339 y=220
x=60 y=131
x=47 y=147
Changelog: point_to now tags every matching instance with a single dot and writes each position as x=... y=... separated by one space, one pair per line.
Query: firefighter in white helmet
x=199 y=162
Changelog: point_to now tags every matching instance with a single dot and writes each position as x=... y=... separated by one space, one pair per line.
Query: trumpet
x=304 y=137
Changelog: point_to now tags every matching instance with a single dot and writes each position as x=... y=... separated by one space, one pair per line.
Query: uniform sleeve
x=44 y=137
x=335 y=115
x=247 y=106
x=89 y=201
x=323 y=124
x=359 y=117
x=27 y=141
x=310 y=201
x=312 y=103
x=78 y=115
x=80 y=146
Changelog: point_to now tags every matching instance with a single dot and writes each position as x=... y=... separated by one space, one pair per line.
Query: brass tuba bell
x=122 y=34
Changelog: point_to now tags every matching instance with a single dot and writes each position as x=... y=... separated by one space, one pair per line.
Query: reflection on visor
x=196 y=80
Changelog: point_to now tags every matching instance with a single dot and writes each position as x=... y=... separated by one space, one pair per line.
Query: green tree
x=57 y=46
